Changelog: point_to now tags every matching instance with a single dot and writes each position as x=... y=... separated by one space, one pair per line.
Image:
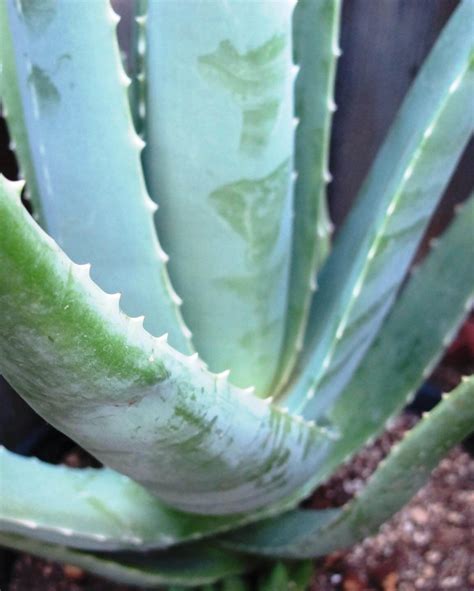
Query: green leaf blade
x=376 y=244
x=85 y=154
x=219 y=163
x=135 y=403
x=316 y=49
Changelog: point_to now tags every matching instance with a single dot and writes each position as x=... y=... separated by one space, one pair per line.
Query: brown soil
x=428 y=546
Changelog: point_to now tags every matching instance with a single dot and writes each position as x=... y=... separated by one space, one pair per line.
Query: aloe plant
x=214 y=419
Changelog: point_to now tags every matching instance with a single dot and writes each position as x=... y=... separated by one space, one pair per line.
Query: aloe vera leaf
x=91 y=509
x=86 y=154
x=316 y=49
x=130 y=399
x=376 y=244
x=218 y=160
x=188 y=566
x=10 y=101
x=137 y=90
x=405 y=470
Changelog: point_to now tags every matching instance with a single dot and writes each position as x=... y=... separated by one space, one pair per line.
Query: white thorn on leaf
x=187 y=333
x=357 y=289
x=141 y=46
x=66 y=531
x=28 y=523
x=223 y=375
x=268 y=400
x=163 y=338
x=455 y=85
x=137 y=141
x=391 y=208
x=337 y=51
x=84 y=270
x=428 y=132
x=340 y=332
x=332 y=105
x=372 y=252
x=327 y=176
x=296 y=122
x=295 y=68
x=151 y=205
x=408 y=173
x=294 y=176
x=175 y=297
x=250 y=390
x=124 y=79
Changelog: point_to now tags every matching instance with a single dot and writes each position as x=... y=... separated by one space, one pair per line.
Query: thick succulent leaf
x=137 y=91
x=10 y=101
x=188 y=566
x=376 y=244
x=219 y=162
x=396 y=480
x=91 y=509
x=316 y=49
x=130 y=399
x=85 y=154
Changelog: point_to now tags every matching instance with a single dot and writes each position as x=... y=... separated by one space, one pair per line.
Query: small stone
x=429 y=571
x=419 y=515
x=421 y=538
x=73 y=572
x=353 y=583
x=455 y=518
x=451 y=583
x=433 y=556
x=336 y=578
x=390 y=581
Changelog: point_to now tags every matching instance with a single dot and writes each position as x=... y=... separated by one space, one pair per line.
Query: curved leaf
x=131 y=400
x=315 y=38
x=376 y=244
x=218 y=160
x=91 y=509
x=10 y=100
x=85 y=154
